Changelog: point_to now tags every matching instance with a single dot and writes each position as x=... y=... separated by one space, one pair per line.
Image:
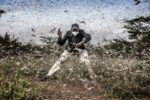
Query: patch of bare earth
x=70 y=91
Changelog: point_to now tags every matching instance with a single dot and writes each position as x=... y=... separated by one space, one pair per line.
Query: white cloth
x=84 y=58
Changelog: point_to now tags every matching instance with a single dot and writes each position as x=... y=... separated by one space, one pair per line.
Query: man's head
x=75 y=29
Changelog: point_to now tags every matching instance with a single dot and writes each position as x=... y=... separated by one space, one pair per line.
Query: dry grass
x=118 y=77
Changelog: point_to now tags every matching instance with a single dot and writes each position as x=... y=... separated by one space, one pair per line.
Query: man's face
x=75 y=31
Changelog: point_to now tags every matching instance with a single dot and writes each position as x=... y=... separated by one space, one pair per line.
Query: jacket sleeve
x=61 y=41
x=86 y=36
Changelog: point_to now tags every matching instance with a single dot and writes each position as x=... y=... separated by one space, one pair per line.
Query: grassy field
x=23 y=70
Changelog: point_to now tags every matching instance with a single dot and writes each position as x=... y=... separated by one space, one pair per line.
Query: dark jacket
x=73 y=40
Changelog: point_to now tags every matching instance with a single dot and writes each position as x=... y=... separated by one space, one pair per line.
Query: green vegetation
x=16 y=88
x=139 y=39
x=133 y=78
x=122 y=69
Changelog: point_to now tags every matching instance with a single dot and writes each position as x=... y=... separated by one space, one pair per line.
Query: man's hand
x=79 y=44
x=59 y=33
x=83 y=41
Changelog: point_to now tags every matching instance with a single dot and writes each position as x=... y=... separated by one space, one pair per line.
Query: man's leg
x=84 y=58
x=57 y=64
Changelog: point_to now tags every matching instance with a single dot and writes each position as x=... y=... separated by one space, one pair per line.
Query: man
x=76 y=38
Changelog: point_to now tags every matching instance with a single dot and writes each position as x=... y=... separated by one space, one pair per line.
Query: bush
x=15 y=88
x=10 y=46
x=124 y=78
x=139 y=44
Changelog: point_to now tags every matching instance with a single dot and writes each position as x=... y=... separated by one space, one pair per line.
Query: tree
x=139 y=33
x=139 y=39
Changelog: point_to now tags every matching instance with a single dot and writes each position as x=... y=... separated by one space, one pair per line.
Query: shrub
x=10 y=46
x=139 y=43
x=124 y=78
x=15 y=88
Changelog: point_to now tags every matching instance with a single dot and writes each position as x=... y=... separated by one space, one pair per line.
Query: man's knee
x=85 y=60
x=84 y=56
x=64 y=56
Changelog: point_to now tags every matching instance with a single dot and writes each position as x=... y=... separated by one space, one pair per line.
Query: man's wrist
x=83 y=41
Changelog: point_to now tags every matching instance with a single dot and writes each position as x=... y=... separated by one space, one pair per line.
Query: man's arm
x=61 y=41
x=87 y=37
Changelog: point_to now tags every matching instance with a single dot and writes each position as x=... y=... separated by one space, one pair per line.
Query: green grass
x=23 y=76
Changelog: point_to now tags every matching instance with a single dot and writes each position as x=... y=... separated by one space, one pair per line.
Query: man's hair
x=74 y=26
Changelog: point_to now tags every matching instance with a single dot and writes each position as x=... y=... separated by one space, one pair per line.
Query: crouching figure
x=76 y=39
